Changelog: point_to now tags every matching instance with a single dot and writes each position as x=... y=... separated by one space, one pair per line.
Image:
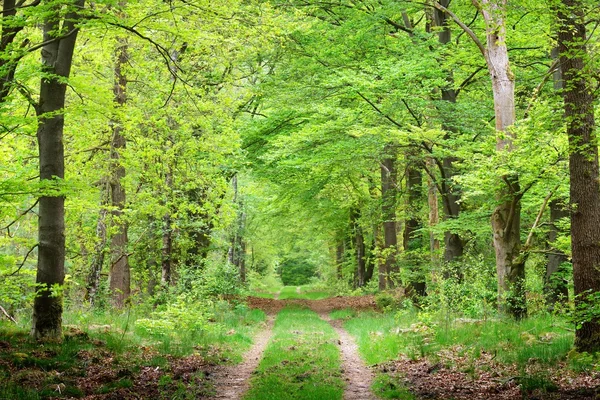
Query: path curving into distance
x=356 y=374
x=232 y=381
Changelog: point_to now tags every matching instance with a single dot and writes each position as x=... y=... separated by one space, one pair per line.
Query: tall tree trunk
x=371 y=261
x=389 y=179
x=453 y=246
x=583 y=168
x=412 y=238
x=506 y=218
x=555 y=285
x=339 y=259
x=434 y=215
x=167 y=238
x=359 y=246
x=119 y=279
x=93 y=280
x=57 y=58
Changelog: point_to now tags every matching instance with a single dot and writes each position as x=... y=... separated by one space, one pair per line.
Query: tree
x=583 y=168
x=60 y=34
x=119 y=276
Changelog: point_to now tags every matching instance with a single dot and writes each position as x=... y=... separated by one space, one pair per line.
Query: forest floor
x=334 y=348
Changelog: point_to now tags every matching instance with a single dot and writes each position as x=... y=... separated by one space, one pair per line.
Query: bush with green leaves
x=297 y=272
x=180 y=315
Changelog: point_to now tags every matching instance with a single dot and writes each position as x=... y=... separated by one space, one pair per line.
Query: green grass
x=543 y=338
x=383 y=337
x=31 y=371
x=306 y=293
x=388 y=387
x=373 y=334
x=301 y=362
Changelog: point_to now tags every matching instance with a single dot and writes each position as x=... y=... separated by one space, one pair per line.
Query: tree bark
x=119 y=276
x=412 y=240
x=389 y=179
x=57 y=58
x=339 y=259
x=583 y=168
x=453 y=246
x=434 y=216
x=93 y=280
x=359 y=246
x=506 y=218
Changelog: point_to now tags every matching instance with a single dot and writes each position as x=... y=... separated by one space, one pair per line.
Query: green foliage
x=296 y=272
x=179 y=314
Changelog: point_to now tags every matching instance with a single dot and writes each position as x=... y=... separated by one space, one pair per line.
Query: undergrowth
x=105 y=352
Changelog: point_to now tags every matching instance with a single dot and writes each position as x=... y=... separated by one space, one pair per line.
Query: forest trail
x=232 y=381
x=356 y=374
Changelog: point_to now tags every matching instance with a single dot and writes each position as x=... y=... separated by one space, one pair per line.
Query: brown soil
x=273 y=306
x=232 y=381
x=489 y=380
x=357 y=375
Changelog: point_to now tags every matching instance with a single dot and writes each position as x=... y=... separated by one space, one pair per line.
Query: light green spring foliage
x=188 y=71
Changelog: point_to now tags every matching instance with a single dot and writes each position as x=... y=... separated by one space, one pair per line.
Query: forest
x=299 y=199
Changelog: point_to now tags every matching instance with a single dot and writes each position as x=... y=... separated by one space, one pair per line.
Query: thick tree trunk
x=506 y=218
x=453 y=246
x=389 y=179
x=583 y=168
x=57 y=57
x=119 y=278
x=555 y=285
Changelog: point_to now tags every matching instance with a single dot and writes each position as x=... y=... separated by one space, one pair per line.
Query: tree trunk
x=555 y=286
x=389 y=179
x=434 y=215
x=370 y=262
x=412 y=240
x=167 y=238
x=93 y=280
x=453 y=246
x=119 y=280
x=583 y=168
x=57 y=57
x=506 y=218
x=359 y=245
x=339 y=259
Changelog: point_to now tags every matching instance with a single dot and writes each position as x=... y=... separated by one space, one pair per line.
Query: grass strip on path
x=302 y=361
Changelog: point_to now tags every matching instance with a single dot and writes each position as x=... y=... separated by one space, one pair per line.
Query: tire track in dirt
x=355 y=373
x=232 y=381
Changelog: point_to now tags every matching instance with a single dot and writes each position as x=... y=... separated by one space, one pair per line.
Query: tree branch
x=539 y=217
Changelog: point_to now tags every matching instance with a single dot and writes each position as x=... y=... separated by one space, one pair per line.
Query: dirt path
x=356 y=374
x=232 y=381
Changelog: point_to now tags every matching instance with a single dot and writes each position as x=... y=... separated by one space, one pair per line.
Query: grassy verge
x=301 y=362
x=508 y=348
x=105 y=353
